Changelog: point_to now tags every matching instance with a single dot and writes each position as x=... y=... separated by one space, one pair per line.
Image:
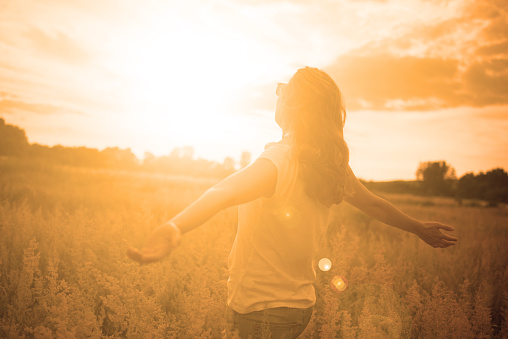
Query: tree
x=148 y=159
x=175 y=153
x=496 y=181
x=491 y=186
x=188 y=152
x=13 y=140
x=119 y=158
x=436 y=177
x=467 y=187
x=229 y=164
x=245 y=159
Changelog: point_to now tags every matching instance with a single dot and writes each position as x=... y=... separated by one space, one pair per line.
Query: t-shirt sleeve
x=278 y=154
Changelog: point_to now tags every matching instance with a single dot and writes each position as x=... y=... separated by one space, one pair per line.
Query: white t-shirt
x=271 y=262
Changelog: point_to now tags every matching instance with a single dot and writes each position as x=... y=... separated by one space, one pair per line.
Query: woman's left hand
x=160 y=243
x=430 y=232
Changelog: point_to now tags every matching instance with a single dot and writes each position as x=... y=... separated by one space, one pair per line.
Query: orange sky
x=423 y=80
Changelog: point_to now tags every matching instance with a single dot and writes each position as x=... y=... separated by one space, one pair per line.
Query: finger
x=450 y=238
x=442 y=243
x=446 y=227
x=445 y=243
x=445 y=246
x=148 y=258
x=134 y=254
x=143 y=257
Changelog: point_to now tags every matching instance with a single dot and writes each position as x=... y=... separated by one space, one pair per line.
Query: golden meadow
x=64 y=273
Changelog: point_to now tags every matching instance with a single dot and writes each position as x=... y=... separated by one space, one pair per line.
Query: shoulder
x=278 y=153
x=282 y=144
x=276 y=150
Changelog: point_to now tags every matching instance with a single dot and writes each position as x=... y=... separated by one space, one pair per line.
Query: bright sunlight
x=184 y=80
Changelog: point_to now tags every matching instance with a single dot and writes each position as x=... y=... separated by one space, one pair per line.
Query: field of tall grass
x=64 y=272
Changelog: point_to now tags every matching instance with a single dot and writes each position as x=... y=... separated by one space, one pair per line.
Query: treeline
x=491 y=186
x=437 y=178
x=180 y=161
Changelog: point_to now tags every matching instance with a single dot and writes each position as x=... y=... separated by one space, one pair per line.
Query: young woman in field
x=285 y=197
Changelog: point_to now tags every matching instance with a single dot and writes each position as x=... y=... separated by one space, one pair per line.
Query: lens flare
x=339 y=284
x=325 y=264
x=289 y=216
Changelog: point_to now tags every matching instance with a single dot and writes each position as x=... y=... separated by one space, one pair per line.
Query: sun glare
x=181 y=82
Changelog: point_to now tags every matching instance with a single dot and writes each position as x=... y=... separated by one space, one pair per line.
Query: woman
x=284 y=198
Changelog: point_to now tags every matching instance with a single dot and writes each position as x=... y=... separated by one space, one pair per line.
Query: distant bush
x=491 y=186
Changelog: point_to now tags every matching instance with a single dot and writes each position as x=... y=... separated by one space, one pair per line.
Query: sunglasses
x=280 y=88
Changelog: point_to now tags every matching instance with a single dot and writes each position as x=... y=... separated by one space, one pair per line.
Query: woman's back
x=271 y=262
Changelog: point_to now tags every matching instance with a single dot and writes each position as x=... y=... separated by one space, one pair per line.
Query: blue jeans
x=274 y=323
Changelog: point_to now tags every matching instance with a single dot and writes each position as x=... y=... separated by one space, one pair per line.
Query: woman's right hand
x=160 y=243
x=430 y=232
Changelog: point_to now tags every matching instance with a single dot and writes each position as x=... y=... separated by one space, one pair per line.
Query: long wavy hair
x=312 y=111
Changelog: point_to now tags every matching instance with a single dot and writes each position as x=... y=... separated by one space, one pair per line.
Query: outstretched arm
x=384 y=211
x=254 y=181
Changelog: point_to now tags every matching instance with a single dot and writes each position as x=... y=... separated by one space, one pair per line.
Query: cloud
x=455 y=62
x=11 y=104
x=59 y=46
x=486 y=82
x=493 y=49
x=389 y=82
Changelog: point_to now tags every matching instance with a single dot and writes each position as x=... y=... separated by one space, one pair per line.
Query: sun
x=181 y=79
